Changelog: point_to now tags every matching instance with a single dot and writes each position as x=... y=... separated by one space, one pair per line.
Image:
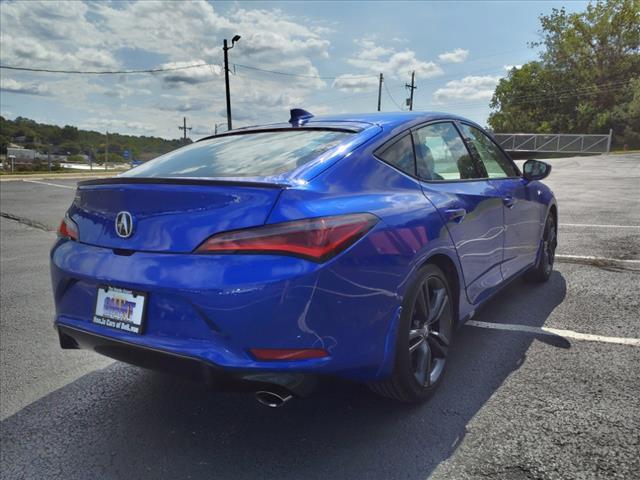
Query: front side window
x=495 y=162
x=441 y=154
x=400 y=155
x=252 y=154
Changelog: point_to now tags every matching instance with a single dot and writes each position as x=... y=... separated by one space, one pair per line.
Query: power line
x=105 y=72
x=171 y=69
x=289 y=74
x=392 y=99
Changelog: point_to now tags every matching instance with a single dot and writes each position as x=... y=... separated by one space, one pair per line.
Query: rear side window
x=495 y=162
x=400 y=155
x=441 y=154
x=254 y=154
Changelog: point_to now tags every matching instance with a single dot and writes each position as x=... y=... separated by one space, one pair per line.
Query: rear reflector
x=316 y=239
x=68 y=229
x=284 y=354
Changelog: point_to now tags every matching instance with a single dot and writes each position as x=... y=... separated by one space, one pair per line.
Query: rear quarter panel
x=409 y=232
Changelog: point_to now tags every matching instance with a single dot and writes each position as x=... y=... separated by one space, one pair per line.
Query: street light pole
x=226 y=48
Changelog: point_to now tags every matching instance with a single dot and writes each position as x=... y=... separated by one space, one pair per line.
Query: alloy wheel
x=430 y=331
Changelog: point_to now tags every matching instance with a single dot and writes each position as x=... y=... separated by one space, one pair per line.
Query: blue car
x=269 y=257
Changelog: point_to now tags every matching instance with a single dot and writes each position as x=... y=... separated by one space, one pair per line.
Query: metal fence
x=560 y=143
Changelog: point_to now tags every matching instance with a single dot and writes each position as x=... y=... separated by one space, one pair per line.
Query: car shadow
x=124 y=422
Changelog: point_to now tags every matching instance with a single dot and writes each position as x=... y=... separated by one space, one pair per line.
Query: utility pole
x=185 y=128
x=106 y=151
x=226 y=49
x=411 y=88
x=380 y=91
x=215 y=127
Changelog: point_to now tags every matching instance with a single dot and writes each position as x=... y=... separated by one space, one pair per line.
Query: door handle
x=508 y=201
x=456 y=214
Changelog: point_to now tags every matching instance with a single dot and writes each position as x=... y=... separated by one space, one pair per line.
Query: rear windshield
x=245 y=155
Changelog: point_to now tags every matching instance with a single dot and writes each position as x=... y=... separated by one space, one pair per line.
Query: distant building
x=54 y=157
x=21 y=155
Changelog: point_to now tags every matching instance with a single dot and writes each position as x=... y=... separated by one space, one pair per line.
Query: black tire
x=542 y=270
x=426 y=329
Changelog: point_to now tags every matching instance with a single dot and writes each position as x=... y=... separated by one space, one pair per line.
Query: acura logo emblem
x=124 y=224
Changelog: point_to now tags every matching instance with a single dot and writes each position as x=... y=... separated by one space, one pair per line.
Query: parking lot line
x=50 y=184
x=587 y=337
x=590 y=260
x=588 y=225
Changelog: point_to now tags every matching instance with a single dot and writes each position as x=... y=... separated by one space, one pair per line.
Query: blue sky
x=459 y=51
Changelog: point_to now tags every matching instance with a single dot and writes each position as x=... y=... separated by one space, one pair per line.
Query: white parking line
x=587 y=337
x=588 y=225
x=592 y=259
x=50 y=184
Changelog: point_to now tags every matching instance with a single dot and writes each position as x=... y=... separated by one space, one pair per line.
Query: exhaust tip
x=272 y=399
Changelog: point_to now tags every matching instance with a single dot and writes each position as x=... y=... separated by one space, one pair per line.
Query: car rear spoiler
x=178 y=181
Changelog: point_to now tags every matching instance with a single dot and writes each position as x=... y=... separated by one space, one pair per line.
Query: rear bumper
x=213 y=309
x=182 y=365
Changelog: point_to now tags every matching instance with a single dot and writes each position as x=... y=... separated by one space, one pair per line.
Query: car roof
x=356 y=122
x=386 y=120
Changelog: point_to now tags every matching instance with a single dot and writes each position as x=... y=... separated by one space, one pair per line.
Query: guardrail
x=557 y=143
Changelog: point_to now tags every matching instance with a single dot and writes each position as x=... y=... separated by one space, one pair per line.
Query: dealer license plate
x=120 y=309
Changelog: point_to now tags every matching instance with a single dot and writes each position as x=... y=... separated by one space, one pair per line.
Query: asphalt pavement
x=514 y=405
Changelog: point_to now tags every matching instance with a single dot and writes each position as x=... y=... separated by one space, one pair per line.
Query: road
x=514 y=405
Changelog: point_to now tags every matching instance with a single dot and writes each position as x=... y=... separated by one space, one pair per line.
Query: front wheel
x=424 y=336
x=542 y=270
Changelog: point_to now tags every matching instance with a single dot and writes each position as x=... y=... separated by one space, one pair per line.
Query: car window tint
x=495 y=162
x=441 y=154
x=244 y=155
x=400 y=155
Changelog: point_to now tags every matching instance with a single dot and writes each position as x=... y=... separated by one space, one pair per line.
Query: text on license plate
x=120 y=309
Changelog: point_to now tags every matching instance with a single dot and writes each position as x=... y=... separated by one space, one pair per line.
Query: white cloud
x=468 y=88
x=117 y=124
x=193 y=75
x=394 y=64
x=458 y=55
x=14 y=86
x=91 y=35
x=355 y=83
x=508 y=68
x=183 y=105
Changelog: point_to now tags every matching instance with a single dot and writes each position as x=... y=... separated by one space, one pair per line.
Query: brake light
x=288 y=354
x=316 y=239
x=68 y=228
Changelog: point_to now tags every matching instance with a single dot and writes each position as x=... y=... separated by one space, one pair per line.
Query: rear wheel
x=424 y=336
x=542 y=271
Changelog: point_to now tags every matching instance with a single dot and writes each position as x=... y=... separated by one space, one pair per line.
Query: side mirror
x=535 y=170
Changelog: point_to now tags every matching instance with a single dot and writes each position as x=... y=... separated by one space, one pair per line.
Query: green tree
x=69 y=133
x=587 y=78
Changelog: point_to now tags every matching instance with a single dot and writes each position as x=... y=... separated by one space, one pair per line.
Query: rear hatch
x=168 y=215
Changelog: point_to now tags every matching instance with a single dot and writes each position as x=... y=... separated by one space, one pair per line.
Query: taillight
x=288 y=354
x=68 y=228
x=316 y=239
